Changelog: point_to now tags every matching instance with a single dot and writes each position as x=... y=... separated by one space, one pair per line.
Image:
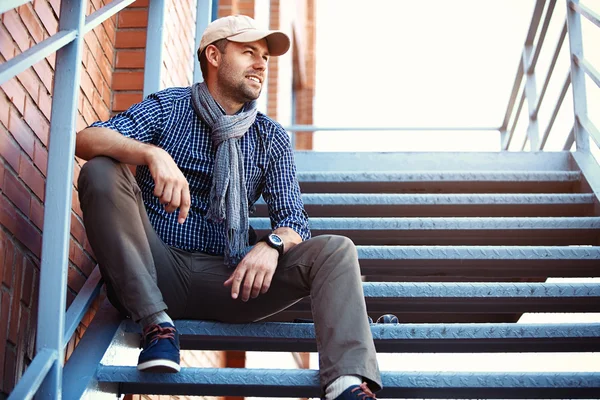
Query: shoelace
x=365 y=392
x=158 y=332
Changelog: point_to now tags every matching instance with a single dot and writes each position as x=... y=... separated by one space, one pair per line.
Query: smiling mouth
x=254 y=79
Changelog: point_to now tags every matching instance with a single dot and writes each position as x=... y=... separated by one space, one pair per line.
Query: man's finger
x=159 y=186
x=175 y=200
x=257 y=286
x=266 y=283
x=248 y=284
x=167 y=194
x=237 y=278
x=184 y=207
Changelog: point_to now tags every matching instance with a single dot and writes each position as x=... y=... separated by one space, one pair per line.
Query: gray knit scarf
x=228 y=198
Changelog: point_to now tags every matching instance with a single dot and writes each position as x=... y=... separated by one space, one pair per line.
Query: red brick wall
x=179 y=53
x=25 y=105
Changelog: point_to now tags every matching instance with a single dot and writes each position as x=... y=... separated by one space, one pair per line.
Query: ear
x=213 y=55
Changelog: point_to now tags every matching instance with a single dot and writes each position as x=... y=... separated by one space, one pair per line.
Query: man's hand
x=170 y=185
x=254 y=273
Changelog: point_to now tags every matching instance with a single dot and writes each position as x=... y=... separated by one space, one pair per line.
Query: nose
x=260 y=64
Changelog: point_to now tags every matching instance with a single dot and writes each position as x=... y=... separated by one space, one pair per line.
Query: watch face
x=276 y=240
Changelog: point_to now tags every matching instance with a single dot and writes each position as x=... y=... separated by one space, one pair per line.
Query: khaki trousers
x=144 y=276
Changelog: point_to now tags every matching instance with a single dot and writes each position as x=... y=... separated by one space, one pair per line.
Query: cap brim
x=277 y=41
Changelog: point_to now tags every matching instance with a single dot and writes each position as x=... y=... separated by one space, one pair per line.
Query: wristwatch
x=275 y=242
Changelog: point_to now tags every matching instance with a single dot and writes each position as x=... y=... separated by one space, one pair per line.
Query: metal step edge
x=443 y=176
x=441 y=223
x=523 y=290
x=305 y=383
x=479 y=253
x=392 y=338
x=393 y=199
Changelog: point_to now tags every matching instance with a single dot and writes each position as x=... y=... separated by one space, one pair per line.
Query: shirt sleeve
x=282 y=191
x=142 y=121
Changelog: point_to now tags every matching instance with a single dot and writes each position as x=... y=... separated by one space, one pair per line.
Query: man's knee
x=336 y=243
x=98 y=175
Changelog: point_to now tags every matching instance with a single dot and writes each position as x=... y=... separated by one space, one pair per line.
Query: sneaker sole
x=165 y=366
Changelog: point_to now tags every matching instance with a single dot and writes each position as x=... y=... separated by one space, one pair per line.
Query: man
x=175 y=236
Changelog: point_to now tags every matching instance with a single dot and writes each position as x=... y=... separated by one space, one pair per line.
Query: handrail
x=77 y=310
x=586 y=12
x=561 y=98
x=544 y=31
x=561 y=40
x=310 y=128
x=588 y=69
x=104 y=13
x=37 y=53
x=33 y=377
x=7 y=5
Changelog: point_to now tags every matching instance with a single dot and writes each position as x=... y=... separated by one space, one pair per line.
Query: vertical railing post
x=154 y=46
x=533 y=131
x=582 y=141
x=203 y=18
x=57 y=205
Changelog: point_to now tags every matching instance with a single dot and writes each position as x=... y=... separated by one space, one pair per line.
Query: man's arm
x=170 y=185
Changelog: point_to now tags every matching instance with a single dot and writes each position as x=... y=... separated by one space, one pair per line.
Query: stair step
x=392 y=338
x=480 y=261
x=305 y=383
x=443 y=205
x=439 y=181
x=474 y=297
x=456 y=231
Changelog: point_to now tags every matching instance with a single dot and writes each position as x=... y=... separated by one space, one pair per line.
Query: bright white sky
x=427 y=64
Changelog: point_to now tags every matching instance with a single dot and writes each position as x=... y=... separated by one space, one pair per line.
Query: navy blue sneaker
x=356 y=392
x=160 y=344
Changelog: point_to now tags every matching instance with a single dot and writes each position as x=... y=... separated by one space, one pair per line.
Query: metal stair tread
x=441 y=223
x=305 y=383
x=436 y=176
x=403 y=338
x=377 y=199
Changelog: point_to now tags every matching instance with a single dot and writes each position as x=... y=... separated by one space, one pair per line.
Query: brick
x=17 y=30
x=36 y=121
x=46 y=15
x=20 y=131
x=36 y=213
x=128 y=80
x=10 y=378
x=7 y=46
x=46 y=74
x=10 y=151
x=40 y=157
x=93 y=44
x=28 y=277
x=139 y=3
x=9 y=259
x=30 y=83
x=16 y=192
x=13 y=329
x=55 y=6
x=4 y=111
x=122 y=101
x=77 y=229
x=133 y=18
x=4 y=311
x=45 y=103
x=87 y=85
x=74 y=279
x=31 y=22
x=75 y=204
x=32 y=177
x=29 y=235
x=24 y=332
x=130 y=39
x=15 y=94
x=130 y=59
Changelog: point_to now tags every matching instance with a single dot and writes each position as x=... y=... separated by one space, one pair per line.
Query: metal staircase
x=458 y=282
x=458 y=245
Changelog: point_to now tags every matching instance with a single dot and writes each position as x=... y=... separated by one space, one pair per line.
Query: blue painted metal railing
x=44 y=375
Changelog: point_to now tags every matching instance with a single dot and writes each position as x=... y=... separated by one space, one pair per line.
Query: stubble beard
x=234 y=88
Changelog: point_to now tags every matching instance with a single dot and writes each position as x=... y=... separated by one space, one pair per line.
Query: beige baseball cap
x=242 y=29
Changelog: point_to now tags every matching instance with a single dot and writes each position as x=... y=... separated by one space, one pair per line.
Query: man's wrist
x=274 y=241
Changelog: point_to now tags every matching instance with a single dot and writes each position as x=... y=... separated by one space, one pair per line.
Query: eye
x=248 y=52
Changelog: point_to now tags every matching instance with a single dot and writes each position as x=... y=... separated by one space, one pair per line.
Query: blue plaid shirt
x=167 y=119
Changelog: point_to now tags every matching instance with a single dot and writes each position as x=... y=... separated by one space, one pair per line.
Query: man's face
x=243 y=69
